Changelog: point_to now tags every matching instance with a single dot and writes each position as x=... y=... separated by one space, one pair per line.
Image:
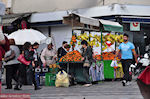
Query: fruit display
x=73 y=40
x=53 y=68
x=95 y=40
x=73 y=56
x=106 y=56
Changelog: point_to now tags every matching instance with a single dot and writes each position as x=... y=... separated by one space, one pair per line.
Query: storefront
x=126 y=15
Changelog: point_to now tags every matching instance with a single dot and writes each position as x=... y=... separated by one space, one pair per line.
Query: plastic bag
x=114 y=63
x=144 y=61
x=62 y=79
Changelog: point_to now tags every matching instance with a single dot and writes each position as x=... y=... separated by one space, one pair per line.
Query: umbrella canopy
x=27 y=35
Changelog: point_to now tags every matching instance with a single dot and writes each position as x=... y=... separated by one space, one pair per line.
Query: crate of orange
x=73 y=56
x=106 y=56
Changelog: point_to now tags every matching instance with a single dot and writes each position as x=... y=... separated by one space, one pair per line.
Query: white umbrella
x=27 y=35
x=48 y=40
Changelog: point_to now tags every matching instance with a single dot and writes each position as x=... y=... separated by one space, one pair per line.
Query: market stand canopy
x=77 y=20
x=27 y=35
x=111 y=26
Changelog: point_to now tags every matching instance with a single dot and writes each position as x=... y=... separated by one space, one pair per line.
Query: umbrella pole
x=101 y=44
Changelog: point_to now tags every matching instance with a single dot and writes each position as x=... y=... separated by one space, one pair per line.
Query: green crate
x=108 y=70
x=50 y=79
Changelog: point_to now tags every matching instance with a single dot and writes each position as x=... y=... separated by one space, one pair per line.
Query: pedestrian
x=87 y=61
x=62 y=51
x=48 y=55
x=127 y=50
x=28 y=55
x=4 y=47
x=35 y=54
x=12 y=65
x=37 y=62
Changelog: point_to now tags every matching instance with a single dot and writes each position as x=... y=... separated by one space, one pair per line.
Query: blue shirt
x=126 y=50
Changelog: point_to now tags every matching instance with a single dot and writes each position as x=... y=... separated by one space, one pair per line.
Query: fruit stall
x=72 y=60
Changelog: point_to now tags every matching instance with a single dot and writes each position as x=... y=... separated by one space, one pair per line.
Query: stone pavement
x=103 y=90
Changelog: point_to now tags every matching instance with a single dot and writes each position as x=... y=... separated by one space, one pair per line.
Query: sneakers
x=37 y=88
x=123 y=82
x=8 y=88
x=16 y=88
x=126 y=83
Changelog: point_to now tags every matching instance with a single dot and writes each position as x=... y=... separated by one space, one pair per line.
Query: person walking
x=127 y=50
x=35 y=54
x=87 y=61
x=37 y=62
x=4 y=47
x=28 y=55
x=12 y=65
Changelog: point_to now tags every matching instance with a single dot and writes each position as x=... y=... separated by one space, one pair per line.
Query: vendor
x=48 y=55
x=62 y=51
x=67 y=48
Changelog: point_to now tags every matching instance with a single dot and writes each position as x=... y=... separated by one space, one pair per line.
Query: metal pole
x=101 y=44
x=103 y=2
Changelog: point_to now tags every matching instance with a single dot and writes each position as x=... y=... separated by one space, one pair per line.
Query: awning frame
x=77 y=20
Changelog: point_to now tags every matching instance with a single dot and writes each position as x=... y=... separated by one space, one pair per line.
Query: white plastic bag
x=114 y=63
x=62 y=79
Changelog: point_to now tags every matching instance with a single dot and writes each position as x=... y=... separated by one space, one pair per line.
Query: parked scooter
x=142 y=64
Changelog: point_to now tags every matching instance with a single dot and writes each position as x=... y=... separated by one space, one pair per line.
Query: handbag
x=23 y=60
x=86 y=63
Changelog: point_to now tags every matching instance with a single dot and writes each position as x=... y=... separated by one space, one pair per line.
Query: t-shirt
x=15 y=59
x=126 y=50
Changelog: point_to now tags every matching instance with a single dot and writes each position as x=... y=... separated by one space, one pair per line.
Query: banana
x=97 y=45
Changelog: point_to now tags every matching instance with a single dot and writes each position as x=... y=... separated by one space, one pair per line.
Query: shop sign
x=134 y=26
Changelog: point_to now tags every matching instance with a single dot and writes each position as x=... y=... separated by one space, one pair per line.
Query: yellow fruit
x=90 y=35
x=79 y=43
x=104 y=48
x=51 y=66
x=97 y=45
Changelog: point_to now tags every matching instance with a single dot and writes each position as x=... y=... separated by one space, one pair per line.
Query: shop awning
x=111 y=26
x=88 y=20
x=47 y=16
x=8 y=21
x=77 y=20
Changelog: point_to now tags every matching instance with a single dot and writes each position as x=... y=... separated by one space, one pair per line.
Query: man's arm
x=117 y=52
x=42 y=58
x=6 y=59
x=135 y=55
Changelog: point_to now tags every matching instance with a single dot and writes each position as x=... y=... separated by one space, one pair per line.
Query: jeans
x=126 y=64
